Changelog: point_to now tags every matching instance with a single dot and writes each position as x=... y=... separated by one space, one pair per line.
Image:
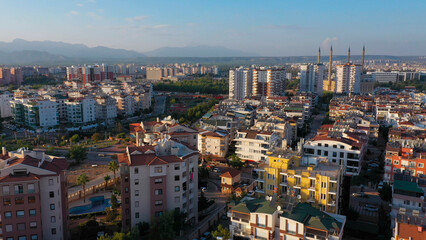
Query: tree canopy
x=77 y=153
x=202 y=85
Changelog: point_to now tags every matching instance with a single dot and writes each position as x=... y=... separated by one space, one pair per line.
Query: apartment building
x=149 y=132
x=310 y=179
x=399 y=158
x=34 y=195
x=345 y=149
x=106 y=109
x=125 y=104
x=311 y=78
x=62 y=107
x=240 y=83
x=156 y=179
x=252 y=145
x=348 y=78
x=214 y=143
x=5 y=99
x=35 y=113
x=276 y=219
x=81 y=110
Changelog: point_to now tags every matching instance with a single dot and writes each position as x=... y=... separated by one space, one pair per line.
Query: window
x=177 y=166
x=19 y=189
x=158 y=180
x=51 y=182
x=421 y=165
x=22 y=238
x=334 y=146
x=126 y=189
x=136 y=214
x=31 y=188
x=52 y=206
x=158 y=169
x=5 y=190
x=34 y=237
x=326 y=145
x=31 y=199
x=342 y=147
x=9 y=228
x=319 y=152
x=136 y=192
x=33 y=224
x=177 y=199
x=177 y=188
x=159 y=203
x=19 y=200
x=319 y=144
x=342 y=154
x=53 y=231
x=334 y=154
x=407 y=202
x=158 y=191
x=159 y=213
x=51 y=194
x=325 y=153
x=136 y=203
x=20 y=213
x=21 y=226
x=7 y=215
x=32 y=212
x=9 y=238
x=136 y=170
x=177 y=177
x=136 y=181
x=127 y=200
x=396 y=162
x=126 y=179
x=52 y=219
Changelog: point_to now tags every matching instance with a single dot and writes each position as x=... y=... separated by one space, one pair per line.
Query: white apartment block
x=34 y=196
x=81 y=110
x=348 y=78
x=48 y=113
x=240 y=83
x=213 y=143
x=5 y=110
x=253 y=145
x=125 y=104
x=106 y=109
x=311 y=78
x=345 y=150
x=156 y=179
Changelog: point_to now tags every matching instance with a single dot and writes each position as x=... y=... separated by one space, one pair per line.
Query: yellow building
x=327 y=86
x=309 y=179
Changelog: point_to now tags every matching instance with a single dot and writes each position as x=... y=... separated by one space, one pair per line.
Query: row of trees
x=419 y=84
x=195 y=113
x=202 y=85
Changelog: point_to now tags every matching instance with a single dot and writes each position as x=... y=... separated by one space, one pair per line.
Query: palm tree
x=106 y=178
x=113 y=166
x=82 y=180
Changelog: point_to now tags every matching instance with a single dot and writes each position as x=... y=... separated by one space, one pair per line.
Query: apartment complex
x=345 y=149
x=5 y=99
x=34 y=114
x=81 y=110
x=276 y=219
x=158 y=178
x=312 y=180
x=214 y=143
x=252 y=145
x=240 y=83
x=348 y=78
x=34 y=195
x=311 y=78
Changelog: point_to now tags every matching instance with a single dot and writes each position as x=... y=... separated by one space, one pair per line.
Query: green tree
x=132 y=235
x=222 y=232
x=77 y=153
x=173 y=101
x=114 y=202
x=96 y=137
x=160 y=227
x=75 y=138
x=82 y=180
x=236 y=162
x=121 y=135
x=50 y=150
x=110 y=215
x=386 y=193
x=179 y=221
x=113 y=166
x=106 y=179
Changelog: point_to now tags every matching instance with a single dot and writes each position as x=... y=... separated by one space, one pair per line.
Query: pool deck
x=80 y=202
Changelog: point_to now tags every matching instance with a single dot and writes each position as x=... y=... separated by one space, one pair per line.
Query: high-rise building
x=33 y=195
x=156 y=179
x=240 y=83
x=311 y=78
x=5 y=99
x=348 y=77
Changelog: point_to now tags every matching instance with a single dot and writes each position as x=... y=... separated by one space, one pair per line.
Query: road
x=315 y=125
x=159 y=105
x=95 y=181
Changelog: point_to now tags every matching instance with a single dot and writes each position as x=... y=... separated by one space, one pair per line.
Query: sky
x=266 y=28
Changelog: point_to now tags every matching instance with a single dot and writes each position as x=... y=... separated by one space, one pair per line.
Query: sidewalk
x=91 y=183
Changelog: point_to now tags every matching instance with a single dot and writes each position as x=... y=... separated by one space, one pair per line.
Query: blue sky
x=268 y=28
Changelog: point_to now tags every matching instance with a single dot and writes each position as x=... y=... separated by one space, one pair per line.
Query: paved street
x=315 y=125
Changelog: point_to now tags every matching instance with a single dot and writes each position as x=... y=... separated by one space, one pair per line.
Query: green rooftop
x=312 y=217
x=256 y=206
x=407 y=186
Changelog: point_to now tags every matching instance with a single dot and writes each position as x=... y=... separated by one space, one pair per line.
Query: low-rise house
x=230 y=180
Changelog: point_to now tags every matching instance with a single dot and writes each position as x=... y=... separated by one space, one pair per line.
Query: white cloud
x=328 y=41
x=136 y=18
x=80 y=4
x=94 y=15
x=72 y=13
x=160 y=26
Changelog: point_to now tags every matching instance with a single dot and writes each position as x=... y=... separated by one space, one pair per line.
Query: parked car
x=216 y=170
x=203 y=189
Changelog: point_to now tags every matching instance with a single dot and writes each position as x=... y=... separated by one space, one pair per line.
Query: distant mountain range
x=198 y=51
x=22 y=52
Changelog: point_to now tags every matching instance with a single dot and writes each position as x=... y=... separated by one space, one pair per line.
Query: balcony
x=283 y=184
x=311 y=188
x=332 y=203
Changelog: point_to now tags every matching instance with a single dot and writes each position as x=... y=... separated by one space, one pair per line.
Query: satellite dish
x=299 y=196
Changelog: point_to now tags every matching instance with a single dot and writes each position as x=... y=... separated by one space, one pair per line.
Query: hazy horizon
x=273 y=29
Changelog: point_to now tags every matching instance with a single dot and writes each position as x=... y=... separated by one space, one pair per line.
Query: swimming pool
x=97 y=204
